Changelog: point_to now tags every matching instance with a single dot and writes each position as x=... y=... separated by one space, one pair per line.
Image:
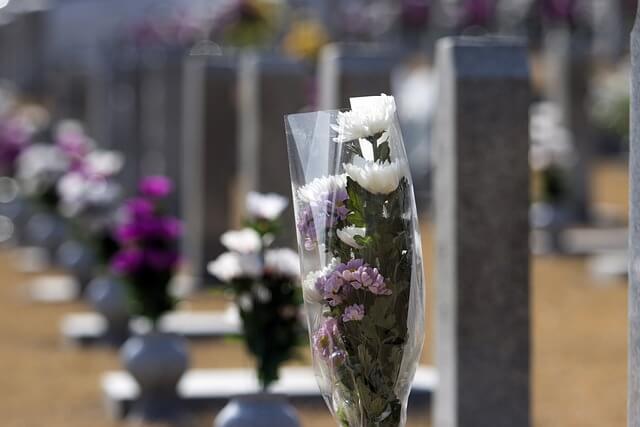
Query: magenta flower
x=156 y=186
x=139 y=208
x=128 y=262
x=353 y=312
x=162 y=260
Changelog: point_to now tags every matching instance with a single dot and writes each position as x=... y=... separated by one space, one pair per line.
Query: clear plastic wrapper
x=361 y=258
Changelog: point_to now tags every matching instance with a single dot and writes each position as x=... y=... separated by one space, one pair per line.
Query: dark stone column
x=482 y=206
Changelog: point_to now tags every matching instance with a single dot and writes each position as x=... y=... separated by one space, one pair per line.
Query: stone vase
x=45 y=230
x=156 y=361
x=108 y=297
x=78 y=259
x=258 y=410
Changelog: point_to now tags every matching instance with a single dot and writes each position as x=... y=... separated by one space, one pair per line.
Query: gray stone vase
x=47 y=231
x=258 y=410
x=108 y=297
x=78 y=259
x=156 y=361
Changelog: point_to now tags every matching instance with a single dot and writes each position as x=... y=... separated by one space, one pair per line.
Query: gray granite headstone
x=269 y=88
x=568 y=61
x=160 y=117
x=209 y=157
x=346 y=71
x=634 y=233
x=482 y=203
x=22 y=57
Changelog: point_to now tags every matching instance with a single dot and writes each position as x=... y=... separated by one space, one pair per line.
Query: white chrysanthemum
x=69 y=126
x=309 y=291
x=231 y=265
x=78 y=192
x=366 y=118
x=266 y=206
x=316 y=191
x=244 y=241
x=377 y=178
x=282 y=261
x=348 y=234
x=40 y=165
x=104 y=163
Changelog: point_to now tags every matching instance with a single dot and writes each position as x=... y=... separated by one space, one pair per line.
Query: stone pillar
x=347 y=71
x=263 y=80
x=160 y=117
x=634 y=236
x=482 y=222
x=568 y=64
x=209 y=157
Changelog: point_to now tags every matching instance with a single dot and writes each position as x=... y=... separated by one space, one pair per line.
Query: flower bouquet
x=148 y=255
x=265 y=282
x=361 y=258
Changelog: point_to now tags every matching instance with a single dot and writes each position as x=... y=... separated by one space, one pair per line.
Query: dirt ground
x=579 y=341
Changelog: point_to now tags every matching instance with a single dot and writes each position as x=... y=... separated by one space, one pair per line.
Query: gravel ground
x=579 y=359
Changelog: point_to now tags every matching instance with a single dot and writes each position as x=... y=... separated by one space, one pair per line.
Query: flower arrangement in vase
x=360 y=247
x=146 y=262
x=148 y=256
x=265 y=284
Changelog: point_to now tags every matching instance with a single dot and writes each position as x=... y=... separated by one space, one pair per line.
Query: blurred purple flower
x=162 y=260
x=14 y=137
x=128 y=261
x=139 y=208
x=558 y=10
x=156 y=186
x=415 y=13
x=479 y=12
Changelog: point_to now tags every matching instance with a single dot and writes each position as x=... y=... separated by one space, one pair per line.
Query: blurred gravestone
x=124 y=110
x=209 y=157
x=482 y=222
x=634 y=237
x=568 y=62
x=346 y=71
x=160 y=96
x=22 y=37
x=269 y=87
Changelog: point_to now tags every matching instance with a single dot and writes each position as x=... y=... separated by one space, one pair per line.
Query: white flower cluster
x=316 y=192
x=265 y=206
x=365 y=119
x=348 y=234
x=377 y=178
x=248 y=255
x=39 y=166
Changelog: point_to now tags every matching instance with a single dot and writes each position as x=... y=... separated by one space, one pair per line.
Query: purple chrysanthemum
x=156 y=186
x=354 y=275
x=324 y=339
x=328 y=209
x=128 y=262
x=353 y=312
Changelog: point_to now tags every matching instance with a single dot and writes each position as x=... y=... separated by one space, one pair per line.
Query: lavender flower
x=325 y=205
x=344 y=278
x=156 y=186
x=324 y=340
x=353 y=312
